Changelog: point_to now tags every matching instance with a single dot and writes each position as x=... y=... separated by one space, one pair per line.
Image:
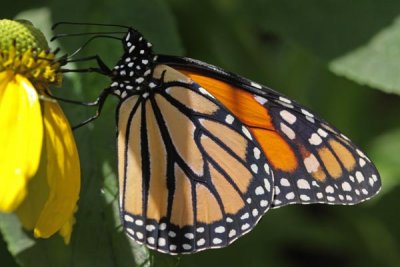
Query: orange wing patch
x=343 y=154
x=256 y=117
x=330 y=162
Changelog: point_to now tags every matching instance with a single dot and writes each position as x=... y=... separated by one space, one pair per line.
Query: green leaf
x=5 y=256
x=28 y=251
x=329 y=28
x=10 y=8
x=375 y=64
x=385 y=152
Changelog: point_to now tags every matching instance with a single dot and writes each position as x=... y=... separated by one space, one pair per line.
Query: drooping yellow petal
x=66 y=229
x=62 y=172
x=38 y=192
x=21 y=135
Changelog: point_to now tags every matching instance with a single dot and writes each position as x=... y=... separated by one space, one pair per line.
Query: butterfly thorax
x=133 y=72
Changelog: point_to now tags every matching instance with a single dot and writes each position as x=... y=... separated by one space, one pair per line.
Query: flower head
x=39 y=164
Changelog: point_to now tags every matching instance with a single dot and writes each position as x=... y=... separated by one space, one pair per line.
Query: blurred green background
x=340 y=58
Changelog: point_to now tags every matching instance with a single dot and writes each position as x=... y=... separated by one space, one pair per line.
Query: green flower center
x=24 y=50
x=23 y=34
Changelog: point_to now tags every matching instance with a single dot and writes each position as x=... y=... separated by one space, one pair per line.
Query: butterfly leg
x=99 y=102
x=102 y=67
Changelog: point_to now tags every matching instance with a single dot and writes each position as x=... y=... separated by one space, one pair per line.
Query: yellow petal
x=38 y=192
x=62 y=172
x=66 y=229
x=21 y=135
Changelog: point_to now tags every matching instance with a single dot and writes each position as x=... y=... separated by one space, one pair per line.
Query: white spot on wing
x=186 y=246
x=287 y=131
x=244 y=216
x=283 y=99
x=260 y=99
x=315 y=139
x=290 y=196
x=139 y=235
x=256 y=152
x=171 y=234
x=200 y=230
x=285 y=182
x=267 y=185
x=163 y=226
x=259 y=190
x=232 y=233
x=359 y=177
x=346 y=186
x=229 y=119
x=220 y=229
x=330 y=198
x=311 y=163
x=287 y=116
x=150 y=227
x=305 y=112
x=128 y=218
x=217 y=241
x=304 y=197
x=201 y=242
x=266 y=168
x=303 y=184
x=245 y=226
x=189 y=235
x=254 y=212
x=254 y=168
x=322 y=133
x=329 y=189
x=256 y=85
x=161 y=242
x=246 y=132
x=263 y=203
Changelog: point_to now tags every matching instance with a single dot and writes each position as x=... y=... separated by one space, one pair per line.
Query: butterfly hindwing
x=192 y=176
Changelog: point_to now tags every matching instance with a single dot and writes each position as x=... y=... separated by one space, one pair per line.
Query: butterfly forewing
x=331 y=168
x=192 y=175
x=312 y=162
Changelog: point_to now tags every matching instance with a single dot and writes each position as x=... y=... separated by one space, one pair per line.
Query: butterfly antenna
x=89 y=41
x=88 y=24
x=62 y=35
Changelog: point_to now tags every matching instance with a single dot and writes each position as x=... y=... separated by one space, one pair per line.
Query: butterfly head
x=134 y=70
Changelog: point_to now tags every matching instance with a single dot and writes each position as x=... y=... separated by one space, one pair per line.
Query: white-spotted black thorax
x=133 y=72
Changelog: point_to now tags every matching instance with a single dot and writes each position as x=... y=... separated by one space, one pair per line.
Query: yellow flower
x=39 y=164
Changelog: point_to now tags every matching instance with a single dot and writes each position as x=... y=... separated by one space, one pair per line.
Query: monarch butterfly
x=203 y=153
